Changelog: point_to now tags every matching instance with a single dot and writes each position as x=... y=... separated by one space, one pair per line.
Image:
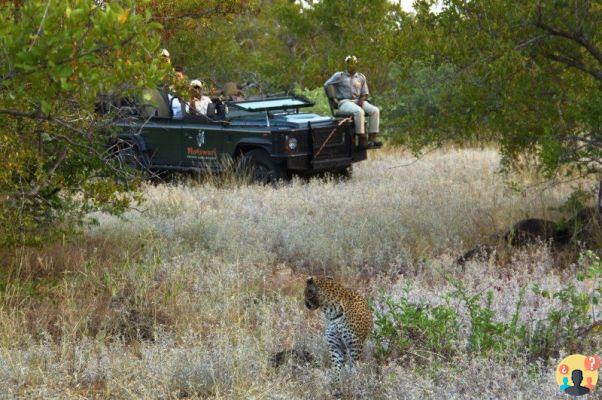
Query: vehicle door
x=202 y=144
x=163 y=140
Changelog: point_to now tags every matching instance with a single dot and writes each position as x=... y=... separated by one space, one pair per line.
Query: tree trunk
x=599 y=200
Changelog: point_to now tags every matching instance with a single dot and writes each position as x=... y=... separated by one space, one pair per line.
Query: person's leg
x=373 y=117
x=373 y=123
x=349 y=107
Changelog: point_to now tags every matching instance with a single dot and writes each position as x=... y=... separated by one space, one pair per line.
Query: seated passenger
x=178 y=85
x=198 y=102
x=230 y=92
x=176 y=106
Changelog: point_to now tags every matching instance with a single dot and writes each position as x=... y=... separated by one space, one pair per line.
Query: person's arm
x=331 y=91
x=360 y=101
x=330 y=88
x=363 y=92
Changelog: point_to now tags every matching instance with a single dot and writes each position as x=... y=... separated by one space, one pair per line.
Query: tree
x=282 y=44
x=56 y=57
x=525 y=74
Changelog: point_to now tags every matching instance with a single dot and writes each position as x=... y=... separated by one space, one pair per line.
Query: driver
x=349 y=91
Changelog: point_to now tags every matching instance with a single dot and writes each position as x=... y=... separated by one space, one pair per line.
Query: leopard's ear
x=309 y=280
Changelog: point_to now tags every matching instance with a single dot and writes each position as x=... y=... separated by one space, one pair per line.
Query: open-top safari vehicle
x=271 y=136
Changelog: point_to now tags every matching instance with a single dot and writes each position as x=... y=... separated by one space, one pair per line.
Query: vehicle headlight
x=292 y=144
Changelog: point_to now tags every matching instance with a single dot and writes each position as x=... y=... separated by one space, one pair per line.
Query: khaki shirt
x=348 y=86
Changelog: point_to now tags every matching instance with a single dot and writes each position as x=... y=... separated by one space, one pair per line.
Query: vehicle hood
x=300 y=120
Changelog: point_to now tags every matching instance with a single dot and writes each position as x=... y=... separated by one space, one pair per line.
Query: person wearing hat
x=230 y=92
x=165 y=63
x=198 y=102
x=349 y=91
x=165 y=56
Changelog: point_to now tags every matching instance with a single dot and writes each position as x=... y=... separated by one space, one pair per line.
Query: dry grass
x=189 y=297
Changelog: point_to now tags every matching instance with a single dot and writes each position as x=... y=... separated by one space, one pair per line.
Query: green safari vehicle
x=271 y=136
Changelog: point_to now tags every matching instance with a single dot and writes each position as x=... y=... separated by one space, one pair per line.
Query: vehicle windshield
x=273 y=103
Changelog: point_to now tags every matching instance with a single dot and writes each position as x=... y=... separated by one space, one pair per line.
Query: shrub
x=405 y=328
x=56 y=62
x=318 y=96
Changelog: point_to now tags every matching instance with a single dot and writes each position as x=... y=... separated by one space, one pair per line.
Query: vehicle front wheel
x=344 y=174
x=257 y=166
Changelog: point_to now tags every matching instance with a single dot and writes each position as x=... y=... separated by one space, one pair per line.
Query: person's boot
x=373 y=143
x=364 y=143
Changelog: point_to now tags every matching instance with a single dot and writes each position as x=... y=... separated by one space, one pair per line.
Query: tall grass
x=189 y=295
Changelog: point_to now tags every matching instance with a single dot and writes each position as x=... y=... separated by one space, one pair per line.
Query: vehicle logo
x=200 y=138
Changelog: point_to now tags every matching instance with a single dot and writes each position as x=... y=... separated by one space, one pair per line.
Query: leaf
x=46 y=107
x=26 y=67
x=124 y=16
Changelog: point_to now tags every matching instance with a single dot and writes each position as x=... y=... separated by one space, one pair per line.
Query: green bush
x=55 y=63
x=318 y=96
x=402 y=328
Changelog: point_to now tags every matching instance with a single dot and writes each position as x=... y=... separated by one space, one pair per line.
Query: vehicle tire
x=257 y=166
x=344 y=174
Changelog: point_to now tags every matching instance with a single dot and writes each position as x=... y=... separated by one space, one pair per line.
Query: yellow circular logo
x=577 y=375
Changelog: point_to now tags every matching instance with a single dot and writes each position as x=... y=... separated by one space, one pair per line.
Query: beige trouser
x=350 y=107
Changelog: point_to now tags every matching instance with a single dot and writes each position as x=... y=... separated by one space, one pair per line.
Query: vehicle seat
x=154 y=104
x=211 y=110
x=333 y=107
x=220 y=110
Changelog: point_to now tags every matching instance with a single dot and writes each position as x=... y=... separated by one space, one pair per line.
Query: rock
x=534 y=230
x=584 y=228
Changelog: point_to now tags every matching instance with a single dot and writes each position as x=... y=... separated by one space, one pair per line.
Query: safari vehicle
x=271 y=136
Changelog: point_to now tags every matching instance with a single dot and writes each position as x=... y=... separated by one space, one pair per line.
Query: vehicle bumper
x=305 y=162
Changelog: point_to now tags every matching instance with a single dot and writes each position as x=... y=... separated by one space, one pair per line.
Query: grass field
x=189 y=295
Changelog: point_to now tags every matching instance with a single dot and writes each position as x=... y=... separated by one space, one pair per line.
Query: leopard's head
x=312 y=294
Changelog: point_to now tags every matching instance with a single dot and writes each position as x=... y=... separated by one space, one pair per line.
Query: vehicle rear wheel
x=257 y=166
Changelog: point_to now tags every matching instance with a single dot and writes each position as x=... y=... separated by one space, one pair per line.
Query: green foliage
x=279 y=44
x=526 y=76
x=416 y=329
x=56 y=58
x=317 y=96
x=402 y=328
x=488 y=336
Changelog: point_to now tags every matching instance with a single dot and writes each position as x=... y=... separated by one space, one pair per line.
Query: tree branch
x=571 y=62
x=23 y=114
x=76 y=57
x=576 y=37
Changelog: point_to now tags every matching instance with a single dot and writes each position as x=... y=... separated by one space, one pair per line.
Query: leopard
x=348 y=318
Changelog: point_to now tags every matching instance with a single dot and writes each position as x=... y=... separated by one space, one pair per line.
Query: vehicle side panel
x=202 y=145
x=163 y=140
